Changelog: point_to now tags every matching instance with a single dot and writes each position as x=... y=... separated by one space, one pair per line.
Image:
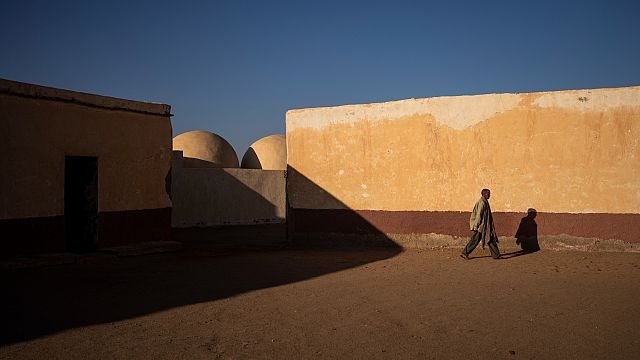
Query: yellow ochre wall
x=42 y=125
x=566 y=151
x=569 y=152
x=133 y=150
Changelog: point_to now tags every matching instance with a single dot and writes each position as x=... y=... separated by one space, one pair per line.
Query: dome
x=205 y=149
x=268 y=153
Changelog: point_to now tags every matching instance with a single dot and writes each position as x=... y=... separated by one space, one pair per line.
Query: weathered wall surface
x=418 y=165
x=132 y=140
x=215 y=197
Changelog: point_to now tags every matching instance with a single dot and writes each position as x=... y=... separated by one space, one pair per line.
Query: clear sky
x=235 y=67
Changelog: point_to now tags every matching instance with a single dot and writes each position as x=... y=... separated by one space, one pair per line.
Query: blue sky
x=236 y=67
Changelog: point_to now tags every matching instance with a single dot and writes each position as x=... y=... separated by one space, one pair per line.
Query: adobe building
x=218 y=203
x=411 y=170
x=81 y=171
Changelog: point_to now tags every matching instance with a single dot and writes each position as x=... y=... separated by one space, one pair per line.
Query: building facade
x=81 y=171
x=411 y=170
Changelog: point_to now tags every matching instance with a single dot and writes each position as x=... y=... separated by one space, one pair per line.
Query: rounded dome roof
x=268 y=153
x=205 y=149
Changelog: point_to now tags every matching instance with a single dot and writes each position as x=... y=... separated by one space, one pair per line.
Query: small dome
x=268 y=153
x=205 y=149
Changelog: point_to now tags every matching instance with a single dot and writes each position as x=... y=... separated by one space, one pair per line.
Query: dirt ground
x=325 y=304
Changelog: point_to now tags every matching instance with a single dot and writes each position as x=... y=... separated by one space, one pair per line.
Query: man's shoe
x=464 y=256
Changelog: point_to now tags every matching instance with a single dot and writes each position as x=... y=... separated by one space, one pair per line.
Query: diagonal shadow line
x=43 y=301
x=318 y=219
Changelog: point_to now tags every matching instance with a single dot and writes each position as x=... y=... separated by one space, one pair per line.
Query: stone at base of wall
x=439 y=241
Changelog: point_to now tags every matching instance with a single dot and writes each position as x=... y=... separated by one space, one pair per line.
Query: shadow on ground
x=503 y=256
x=102 y=289
x=513 y=254
x=47 y=300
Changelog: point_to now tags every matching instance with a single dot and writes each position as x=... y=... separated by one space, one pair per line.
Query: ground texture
x=337 y=304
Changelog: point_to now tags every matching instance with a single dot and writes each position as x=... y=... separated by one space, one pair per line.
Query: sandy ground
x=338 y=304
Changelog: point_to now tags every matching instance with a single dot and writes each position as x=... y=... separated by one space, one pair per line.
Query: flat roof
x=106 y=102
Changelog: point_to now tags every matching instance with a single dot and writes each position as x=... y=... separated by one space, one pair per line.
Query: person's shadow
x=526 y=235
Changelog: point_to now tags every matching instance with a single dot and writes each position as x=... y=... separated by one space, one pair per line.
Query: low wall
x=413 y=169
x=207 y=197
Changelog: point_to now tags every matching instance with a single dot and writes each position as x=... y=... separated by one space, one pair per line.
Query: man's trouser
x=475 y=239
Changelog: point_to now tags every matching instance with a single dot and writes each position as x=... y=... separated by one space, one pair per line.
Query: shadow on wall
x=526 y=236
x=97 y=290
x=527 y=233
x=189 y=162
x=330 y=223
x=204 y=196
x=250 y=160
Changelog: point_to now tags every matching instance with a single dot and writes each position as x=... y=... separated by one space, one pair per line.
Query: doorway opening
x=81 y=203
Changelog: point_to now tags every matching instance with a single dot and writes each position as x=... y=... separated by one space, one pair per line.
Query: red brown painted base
x=47 y=234
x=32 y=235
x=128 y=227
x=625 y=227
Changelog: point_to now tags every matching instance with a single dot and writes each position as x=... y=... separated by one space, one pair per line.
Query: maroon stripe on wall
x=624 y=227
x=31 y=235
x=47 y=234
x=127 y=227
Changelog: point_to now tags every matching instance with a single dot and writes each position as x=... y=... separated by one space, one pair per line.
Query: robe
x=481 y=220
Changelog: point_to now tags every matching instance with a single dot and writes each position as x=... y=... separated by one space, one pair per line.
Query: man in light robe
x=482 y=228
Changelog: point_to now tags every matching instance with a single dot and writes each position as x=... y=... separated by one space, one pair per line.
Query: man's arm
x=476 y=216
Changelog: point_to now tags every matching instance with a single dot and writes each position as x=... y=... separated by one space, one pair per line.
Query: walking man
x=482 y=227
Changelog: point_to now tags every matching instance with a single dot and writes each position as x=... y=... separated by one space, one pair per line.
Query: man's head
x=486 y=193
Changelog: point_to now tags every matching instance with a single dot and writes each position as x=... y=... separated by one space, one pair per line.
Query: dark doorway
x=81 y=202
